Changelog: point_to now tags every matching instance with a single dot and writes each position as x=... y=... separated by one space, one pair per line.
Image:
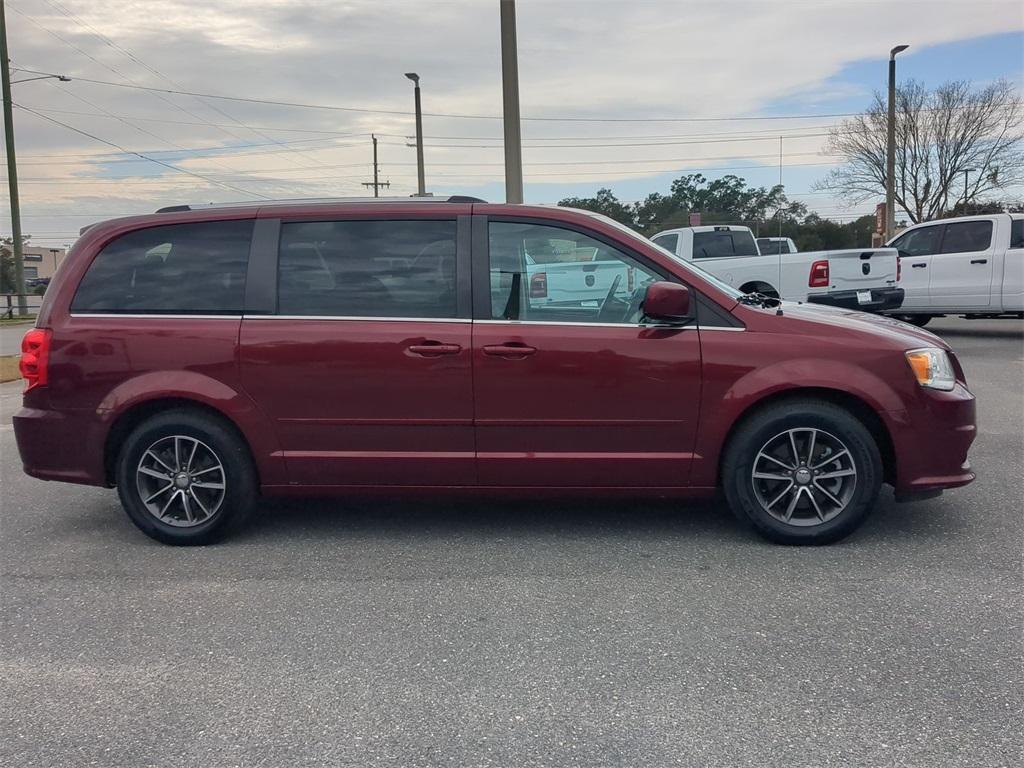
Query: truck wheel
x=919 y=320
x=185 y=478
x=802 y=472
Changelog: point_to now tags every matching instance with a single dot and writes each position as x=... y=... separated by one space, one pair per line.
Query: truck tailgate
x=860 y=268
x=577 y=283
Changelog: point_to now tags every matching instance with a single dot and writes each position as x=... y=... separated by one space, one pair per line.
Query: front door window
x=544 y=273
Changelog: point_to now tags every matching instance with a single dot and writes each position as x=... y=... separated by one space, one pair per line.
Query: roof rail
x=322 y=200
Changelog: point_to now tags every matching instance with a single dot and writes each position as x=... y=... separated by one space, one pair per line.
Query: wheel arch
x=853 y=404
x=134 y=415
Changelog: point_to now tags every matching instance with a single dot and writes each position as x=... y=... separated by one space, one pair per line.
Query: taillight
x=539 y=285
x=819 y=274
x=899 y=268
x=35 y=357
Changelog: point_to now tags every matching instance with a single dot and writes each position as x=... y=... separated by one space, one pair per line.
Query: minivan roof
x=316 y=200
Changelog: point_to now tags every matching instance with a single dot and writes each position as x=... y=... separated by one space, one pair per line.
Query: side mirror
x=667 y=302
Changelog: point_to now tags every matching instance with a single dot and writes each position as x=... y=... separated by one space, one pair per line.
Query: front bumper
x=882 y=299
x=931 y=441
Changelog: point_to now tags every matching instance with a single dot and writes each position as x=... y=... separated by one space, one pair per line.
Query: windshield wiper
x=755 y=299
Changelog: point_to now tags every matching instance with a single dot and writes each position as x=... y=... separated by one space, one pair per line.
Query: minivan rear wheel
x=185 y=478
x=802 y=472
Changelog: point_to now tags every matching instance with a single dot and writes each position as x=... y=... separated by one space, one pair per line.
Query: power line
x=106 y=66
x=144 y=157
x=774 y=132
x=139 y=118
x=633 y=144
x=365 y=110
x=155 y=92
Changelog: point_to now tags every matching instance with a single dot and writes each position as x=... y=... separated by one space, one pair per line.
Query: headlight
x=932 y=368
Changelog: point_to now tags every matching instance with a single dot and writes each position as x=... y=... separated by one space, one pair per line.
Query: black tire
x=814 y=519
x=919 y=320
x=227 y=506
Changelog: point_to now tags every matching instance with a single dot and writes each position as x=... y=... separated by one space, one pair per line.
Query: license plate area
x=863 y=297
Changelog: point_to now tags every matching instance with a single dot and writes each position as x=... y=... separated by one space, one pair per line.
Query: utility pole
x=967 y=171
x=421 y=181
x=375 y=183
x=510 y=99
x=12 y=169
x=890 y=154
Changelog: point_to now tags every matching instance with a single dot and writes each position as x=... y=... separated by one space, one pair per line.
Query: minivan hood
x=894 y=331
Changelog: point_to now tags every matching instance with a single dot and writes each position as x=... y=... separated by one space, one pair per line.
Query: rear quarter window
x=1017 y=233
x=174 y=269
x=668 y=242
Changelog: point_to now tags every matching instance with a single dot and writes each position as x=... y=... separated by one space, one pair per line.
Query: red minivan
x=198 y=358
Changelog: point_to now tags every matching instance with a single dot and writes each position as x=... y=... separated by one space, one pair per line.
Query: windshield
x=724 y=287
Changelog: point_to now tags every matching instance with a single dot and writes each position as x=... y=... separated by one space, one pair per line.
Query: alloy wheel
x=181 y=481
x=804 y=477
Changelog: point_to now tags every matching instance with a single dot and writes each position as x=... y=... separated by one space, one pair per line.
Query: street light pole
x=510 y=98
x=890 y=157
x=12 y=169
x=421 y=181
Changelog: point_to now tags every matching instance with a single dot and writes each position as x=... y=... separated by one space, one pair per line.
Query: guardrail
x=10 y=305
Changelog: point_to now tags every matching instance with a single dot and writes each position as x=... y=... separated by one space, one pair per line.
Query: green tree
x=604 y=202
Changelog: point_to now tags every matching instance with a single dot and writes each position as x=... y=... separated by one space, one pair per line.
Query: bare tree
x=939 y=135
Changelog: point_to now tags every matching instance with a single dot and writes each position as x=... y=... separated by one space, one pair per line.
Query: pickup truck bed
x=861 y=278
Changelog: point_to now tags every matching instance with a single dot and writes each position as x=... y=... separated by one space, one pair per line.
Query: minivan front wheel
x=185 y=478
x=803 y=472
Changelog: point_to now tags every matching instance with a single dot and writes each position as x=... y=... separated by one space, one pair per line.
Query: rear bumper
x=882 y=299
x=60 y=445
x=931 y=442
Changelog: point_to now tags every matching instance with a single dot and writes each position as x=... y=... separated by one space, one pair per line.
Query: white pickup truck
x=860 y=278
x=971 y=266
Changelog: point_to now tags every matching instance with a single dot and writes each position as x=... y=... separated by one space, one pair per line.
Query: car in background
x=971 y=266
x=197 y=359
x=774 y=245
x=863 y=278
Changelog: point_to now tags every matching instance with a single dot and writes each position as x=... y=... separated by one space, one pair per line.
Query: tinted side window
x=919 y=242
x=367 y=269
x=1017 y=233
x=668 y=242
x=720 y=243
x=967 y=236
x=175 y=269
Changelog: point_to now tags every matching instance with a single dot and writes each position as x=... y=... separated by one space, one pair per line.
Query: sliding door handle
x=433 y=349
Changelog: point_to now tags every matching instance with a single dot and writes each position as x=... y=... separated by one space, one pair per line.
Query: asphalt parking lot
x=523 y=634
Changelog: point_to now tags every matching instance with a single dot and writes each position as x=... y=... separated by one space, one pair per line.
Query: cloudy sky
x=626 y=94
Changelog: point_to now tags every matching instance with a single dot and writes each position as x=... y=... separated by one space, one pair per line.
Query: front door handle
x=512 y=351
x=433 y=349
x=979 y=261
x=919 y=265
